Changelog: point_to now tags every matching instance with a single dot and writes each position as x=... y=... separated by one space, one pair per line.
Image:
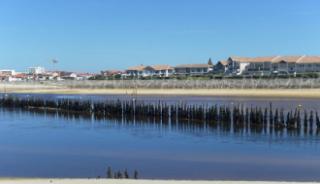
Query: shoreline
x=276 y=93
x=129 y=181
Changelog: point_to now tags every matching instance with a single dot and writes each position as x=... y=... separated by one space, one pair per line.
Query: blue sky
x=91 y=35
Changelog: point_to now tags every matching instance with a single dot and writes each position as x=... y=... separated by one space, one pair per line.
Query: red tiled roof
x=224 y=63
x=153 y=67
x=277 y=59
x=138 y=68
x=161 y=67
x=253 y=59
x=193 y=66
x=309 y=59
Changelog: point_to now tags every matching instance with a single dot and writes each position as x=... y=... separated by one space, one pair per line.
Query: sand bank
x=58 y=89
x=104 y=181
x=288 y=93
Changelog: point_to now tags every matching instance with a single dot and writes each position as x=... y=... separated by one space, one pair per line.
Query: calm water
x=286 y=103
x=47 y=145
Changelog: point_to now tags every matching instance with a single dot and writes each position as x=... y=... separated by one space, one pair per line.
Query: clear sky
x=91 y=35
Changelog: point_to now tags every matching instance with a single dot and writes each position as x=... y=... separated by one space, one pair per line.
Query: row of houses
x=167 y=71
x=40 y=74
x=233 y=66
x=270 y=65
x=262 y=66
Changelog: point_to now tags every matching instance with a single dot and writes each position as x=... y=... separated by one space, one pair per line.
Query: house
x=84 y=76
x=140 y=71
x=163 y=70
x=8 y=75
x=68 y=75
x=193 y=69
x=3 y=77
x=246 y=65
x=7 y=72
x=12 y=78
x=54 y=75
x=147 y=71
x=221 y=67
x=272 y=65
x=44 y=77
x=285 y=64
x=62 y=75
x=20 y=77
x=111 y=73
x=308 y=64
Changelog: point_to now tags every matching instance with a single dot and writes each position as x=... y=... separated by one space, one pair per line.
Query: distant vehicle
x=280 y=73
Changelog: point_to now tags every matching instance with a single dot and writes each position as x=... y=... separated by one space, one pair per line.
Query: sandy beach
x=289 y=93
x=105 y=181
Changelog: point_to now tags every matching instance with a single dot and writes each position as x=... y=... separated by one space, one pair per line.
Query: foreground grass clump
x=121 y=174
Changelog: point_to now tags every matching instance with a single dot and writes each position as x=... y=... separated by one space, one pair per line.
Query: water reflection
x=308 y=132
x=38 y=143
x=245 y=102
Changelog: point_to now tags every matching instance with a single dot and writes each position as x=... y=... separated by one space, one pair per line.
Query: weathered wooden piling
x=259 y=119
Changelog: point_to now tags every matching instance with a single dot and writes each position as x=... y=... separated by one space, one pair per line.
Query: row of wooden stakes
x=238 y=116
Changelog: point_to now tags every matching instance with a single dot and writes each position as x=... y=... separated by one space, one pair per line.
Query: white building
x=147 y=71
x=8 y=72
x=162 y=70
x=273 y=65
x=220 y=67
x=193 y=69
x=36 y=70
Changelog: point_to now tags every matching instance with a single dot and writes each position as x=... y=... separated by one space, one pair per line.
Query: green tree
x=210 y=62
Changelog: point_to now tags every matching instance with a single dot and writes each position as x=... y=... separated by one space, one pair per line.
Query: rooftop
x=277 y=59
x=193 y=66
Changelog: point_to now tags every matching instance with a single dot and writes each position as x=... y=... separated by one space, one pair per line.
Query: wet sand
x=288 y=93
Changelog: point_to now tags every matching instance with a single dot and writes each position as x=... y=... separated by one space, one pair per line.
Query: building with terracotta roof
x=111 y=73
x=193 y=69
x=7 y=72
x=147 y=71
x=272 y=65
x=139 y=71
x=163 y=70
x=220 y=67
